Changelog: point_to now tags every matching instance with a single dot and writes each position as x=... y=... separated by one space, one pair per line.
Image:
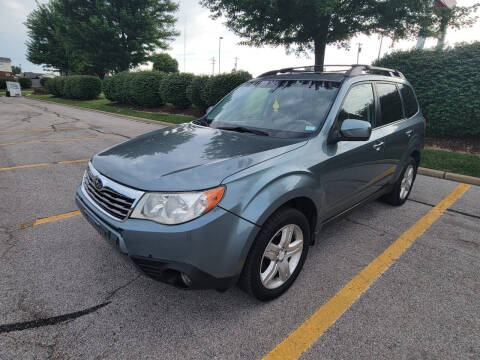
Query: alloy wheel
x=407 y=182
x=281 y=256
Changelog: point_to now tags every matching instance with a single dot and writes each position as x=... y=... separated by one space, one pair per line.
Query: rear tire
x=277 y=255
x=403 y=186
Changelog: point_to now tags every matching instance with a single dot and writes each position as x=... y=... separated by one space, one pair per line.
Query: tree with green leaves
x=164 y=63
x=310 y=25
x=16 y=70
x=456 y=18
x=48 y=42
x=99 y=36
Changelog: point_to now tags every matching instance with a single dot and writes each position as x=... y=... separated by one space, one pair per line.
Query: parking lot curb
x=449 y=176
x=134 y=118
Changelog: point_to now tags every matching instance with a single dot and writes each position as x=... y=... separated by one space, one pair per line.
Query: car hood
x=187 y=157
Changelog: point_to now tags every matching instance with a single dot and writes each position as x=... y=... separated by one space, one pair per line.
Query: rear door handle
x=409 y=133
x=378 y=146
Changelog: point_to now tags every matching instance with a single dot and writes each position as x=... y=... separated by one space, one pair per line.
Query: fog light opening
x=186 y=279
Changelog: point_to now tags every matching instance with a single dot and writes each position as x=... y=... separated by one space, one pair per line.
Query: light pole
x=359 y=51
x=219 y=52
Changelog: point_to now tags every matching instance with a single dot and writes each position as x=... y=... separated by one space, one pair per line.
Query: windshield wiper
x=243 y=129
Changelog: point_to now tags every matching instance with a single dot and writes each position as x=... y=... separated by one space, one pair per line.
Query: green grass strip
x=459 y=163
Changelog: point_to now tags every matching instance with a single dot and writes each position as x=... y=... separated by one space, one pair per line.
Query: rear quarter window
x=390 y=103
x=409 y=100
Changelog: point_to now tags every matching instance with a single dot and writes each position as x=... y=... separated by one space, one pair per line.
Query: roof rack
x=348 y=71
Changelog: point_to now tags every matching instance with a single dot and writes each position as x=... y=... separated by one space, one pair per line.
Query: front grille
x=112 y=202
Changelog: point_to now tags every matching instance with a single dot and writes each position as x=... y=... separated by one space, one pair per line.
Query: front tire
x=277 y=255
x=403 y=186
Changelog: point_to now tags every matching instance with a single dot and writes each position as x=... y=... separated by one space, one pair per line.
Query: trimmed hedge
x=43 y=82
x=82 y=87
x=135 y=88
x=154 y=88
x=3 y=83
x=195 y=92
x=25 y=83
x=217 y=87
x=107 y=87
x=55 y=86
x=174 y=89
x=144 y=89
x=446 y=83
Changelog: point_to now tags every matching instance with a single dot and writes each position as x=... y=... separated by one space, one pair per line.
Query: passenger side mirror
x=355 y=130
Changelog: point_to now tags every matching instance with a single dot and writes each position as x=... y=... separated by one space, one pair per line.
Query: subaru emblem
x=98 y=183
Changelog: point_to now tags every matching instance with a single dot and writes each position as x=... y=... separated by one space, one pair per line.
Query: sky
x=200 y=37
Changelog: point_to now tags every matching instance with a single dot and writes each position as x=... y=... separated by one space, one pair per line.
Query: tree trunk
x=320 y=43
x=320 y=48
x=443 y=33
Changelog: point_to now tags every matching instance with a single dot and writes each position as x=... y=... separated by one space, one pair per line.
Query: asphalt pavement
x=66 y=294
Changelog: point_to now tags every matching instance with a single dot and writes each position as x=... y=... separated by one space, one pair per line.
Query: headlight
x=176 y=208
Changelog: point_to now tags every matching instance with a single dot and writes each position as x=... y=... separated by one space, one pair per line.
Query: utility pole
x=185 y=45
x=358 y=53
x=236 y=63
x=219 y=52
x=213 y=65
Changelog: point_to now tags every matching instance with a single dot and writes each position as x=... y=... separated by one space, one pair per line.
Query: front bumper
x=210 y=250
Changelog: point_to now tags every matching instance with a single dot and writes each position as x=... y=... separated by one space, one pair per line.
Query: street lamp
x=359 y=51
x=219 y=51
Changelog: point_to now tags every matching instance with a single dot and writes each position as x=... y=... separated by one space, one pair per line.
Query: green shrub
x=121 y=88
x=107 y=87
x=3 y=83
x=165 y=63
x=82 y=87
x=446 y=83
x=195 y=92
x=43 y=82
x=217 y=87
x=55 y=86
x=174 y=89
x=144 y=88
x=25 y=83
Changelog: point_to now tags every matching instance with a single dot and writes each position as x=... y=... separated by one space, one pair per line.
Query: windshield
x=279 y=108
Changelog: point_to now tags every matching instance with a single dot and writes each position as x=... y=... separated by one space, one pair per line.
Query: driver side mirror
x=352 y=130
x=209 y=109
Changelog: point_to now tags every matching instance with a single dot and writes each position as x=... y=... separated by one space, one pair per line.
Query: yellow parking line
x=58 y=140
x=44 y=164
x=49 y=219
x=41 y=129
x=309 y=332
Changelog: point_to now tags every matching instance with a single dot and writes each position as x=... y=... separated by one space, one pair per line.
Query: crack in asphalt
x=109 y=133
x=367 y=225
x=113 y=292
x=60 y=318
x=449 y=210
x=51 y=320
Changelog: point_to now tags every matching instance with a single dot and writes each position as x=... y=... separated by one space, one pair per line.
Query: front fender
x=255 y=199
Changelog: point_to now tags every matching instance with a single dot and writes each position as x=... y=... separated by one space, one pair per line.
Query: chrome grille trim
x=113 y=199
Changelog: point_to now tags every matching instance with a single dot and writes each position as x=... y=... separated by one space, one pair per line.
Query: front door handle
x=378 y=146
x=409 y=133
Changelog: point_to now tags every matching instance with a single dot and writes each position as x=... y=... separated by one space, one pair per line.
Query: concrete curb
x=449 y=176
x=133 y=118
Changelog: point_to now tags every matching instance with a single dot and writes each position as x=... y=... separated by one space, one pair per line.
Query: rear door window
x=390 y=103
x=409 y=100
x=359 y=104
